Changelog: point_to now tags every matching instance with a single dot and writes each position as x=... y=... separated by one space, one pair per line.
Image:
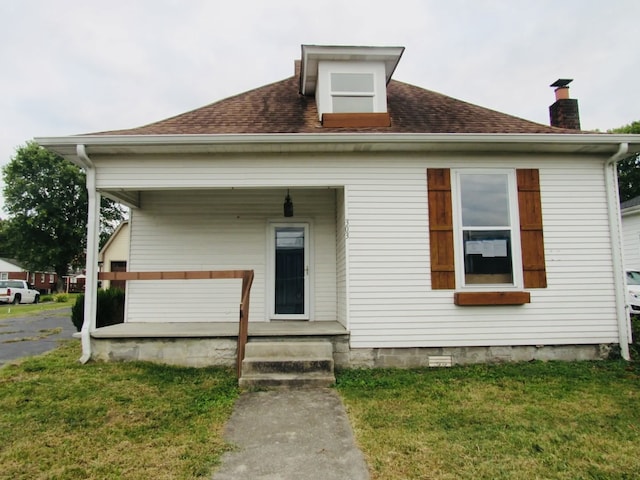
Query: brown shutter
x=530 y=207
x=441 y=229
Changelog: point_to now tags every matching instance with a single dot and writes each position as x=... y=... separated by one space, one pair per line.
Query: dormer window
x=349 y=83
x=352 y=92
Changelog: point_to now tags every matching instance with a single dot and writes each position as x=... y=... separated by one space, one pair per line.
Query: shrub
x=61 y=297
x=46 y=298
x=110 y=308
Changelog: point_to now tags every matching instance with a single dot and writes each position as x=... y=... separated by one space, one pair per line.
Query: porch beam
x=174 y=275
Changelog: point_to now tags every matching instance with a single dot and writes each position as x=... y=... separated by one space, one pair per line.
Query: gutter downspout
x=615 y=227
x=93 y=226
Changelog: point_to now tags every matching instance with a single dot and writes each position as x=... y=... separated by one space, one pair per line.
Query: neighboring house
x=630 y=211
x=114 y=255
x=410 y=227
x=75 y=283
x=11 y=269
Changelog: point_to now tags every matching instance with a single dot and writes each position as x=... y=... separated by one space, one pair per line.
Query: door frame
x=271 y=269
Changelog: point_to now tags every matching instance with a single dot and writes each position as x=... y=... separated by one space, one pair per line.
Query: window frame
x=513 y=228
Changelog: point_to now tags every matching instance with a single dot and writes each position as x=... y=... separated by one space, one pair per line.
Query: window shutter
x=441 y=229
x=530 y=208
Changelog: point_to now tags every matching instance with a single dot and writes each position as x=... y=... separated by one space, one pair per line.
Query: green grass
x=63 y=420
x=11 y=311
x=551 y=420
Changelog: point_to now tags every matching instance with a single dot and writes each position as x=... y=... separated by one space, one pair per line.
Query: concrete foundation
x=203 y=352
x=424 y=357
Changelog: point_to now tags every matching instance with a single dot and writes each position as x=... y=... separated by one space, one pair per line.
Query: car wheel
x=36 y=299
x=16 y=300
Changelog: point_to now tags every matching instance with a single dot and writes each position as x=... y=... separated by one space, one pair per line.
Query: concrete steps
x=289 y=364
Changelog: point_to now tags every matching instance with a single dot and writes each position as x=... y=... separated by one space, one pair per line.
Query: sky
x=69 y=67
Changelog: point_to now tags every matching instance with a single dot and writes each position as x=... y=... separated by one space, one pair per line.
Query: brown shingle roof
x=279 y=108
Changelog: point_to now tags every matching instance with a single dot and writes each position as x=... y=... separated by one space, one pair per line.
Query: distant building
x=11 y=269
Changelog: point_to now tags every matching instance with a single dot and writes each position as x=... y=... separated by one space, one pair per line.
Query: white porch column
x=93 y=242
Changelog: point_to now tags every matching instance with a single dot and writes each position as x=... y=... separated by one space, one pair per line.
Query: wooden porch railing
x=247 y=281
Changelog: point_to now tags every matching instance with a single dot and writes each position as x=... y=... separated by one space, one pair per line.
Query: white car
x=633 y=291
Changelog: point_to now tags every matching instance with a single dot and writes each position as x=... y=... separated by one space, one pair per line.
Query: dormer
x=349 y=83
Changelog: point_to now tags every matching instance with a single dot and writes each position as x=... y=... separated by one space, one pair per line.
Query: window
x=486 y=240
x=4 y=276
x=52 y=278
x=346 y=87
x=512 y=220
x=352 y=92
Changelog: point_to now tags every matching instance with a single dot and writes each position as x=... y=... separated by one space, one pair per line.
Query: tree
x=629 y=168
x=46 y=199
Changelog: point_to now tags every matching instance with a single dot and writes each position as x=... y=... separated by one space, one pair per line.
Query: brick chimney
x=564 y=112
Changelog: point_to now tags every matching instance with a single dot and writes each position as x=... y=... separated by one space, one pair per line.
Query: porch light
x=288 y=205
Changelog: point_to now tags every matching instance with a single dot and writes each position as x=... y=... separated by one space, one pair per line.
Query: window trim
x=458 y=229
x=441 y=228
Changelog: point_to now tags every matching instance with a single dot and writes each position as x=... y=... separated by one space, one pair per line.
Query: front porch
x=201 y=344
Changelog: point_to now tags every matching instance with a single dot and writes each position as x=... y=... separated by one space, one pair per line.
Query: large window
x=485 y=229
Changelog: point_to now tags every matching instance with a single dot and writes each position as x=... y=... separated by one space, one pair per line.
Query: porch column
x=93 y=236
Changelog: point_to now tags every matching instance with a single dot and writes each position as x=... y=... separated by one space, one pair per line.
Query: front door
x=290 y=271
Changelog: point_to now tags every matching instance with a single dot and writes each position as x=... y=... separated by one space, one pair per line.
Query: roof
x=280 y=108
x=633 y=202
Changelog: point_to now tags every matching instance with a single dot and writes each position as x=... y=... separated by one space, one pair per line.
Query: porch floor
x=218 y=329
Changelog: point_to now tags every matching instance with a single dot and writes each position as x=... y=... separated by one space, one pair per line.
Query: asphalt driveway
x=34 y=334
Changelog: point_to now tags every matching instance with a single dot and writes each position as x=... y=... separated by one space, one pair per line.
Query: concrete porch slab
x=218 y=329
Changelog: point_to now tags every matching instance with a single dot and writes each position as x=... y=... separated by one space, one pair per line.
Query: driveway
x=34 y=334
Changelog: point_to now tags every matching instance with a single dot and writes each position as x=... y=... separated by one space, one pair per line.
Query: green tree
x=46 y=199
x=629 y=168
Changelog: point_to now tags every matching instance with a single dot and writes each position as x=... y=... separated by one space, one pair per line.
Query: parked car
x=18 y=291
x=633 y=291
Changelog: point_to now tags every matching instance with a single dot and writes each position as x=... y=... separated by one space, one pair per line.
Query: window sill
x=465 y=299
x=355 y=120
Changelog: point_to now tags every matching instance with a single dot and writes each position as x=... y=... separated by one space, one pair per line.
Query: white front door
x=289 y=262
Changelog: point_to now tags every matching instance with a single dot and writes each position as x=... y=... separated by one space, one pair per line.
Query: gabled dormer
x=349 y=83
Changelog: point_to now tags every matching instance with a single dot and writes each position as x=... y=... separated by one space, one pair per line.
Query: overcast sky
x=71 y=67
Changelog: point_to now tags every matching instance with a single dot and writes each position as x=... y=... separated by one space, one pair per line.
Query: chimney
x=564 y=112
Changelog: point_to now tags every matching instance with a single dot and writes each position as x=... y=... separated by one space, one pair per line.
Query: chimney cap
x=561 y=82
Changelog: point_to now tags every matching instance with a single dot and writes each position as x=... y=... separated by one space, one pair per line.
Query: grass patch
x=44 y=333
x=551 y=420
x=12 y=311
x=63 y=420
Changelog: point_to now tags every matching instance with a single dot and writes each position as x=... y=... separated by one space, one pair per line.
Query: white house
x=408 y=227
x=630 y=211
x=114 y=255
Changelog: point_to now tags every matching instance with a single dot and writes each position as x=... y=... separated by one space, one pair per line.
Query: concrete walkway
x=291 y=434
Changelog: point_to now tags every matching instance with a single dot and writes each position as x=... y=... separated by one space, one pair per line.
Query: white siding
x=631 y=240
x=221 y=230
x=387 y=276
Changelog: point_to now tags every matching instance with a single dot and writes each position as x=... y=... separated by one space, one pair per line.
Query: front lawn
x=514 y=421
x=60 y=419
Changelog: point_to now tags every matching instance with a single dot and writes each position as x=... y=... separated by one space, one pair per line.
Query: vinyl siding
x=386 y=281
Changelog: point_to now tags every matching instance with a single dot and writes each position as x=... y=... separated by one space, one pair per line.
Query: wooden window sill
x=355 y=120
x=491 y=298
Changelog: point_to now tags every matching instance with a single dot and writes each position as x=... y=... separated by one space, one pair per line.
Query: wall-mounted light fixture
x=288 y=205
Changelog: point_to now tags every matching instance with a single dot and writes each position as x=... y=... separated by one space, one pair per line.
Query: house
x=11 y=269
x=630 y=211
x=114 y=255
x=406 y=227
